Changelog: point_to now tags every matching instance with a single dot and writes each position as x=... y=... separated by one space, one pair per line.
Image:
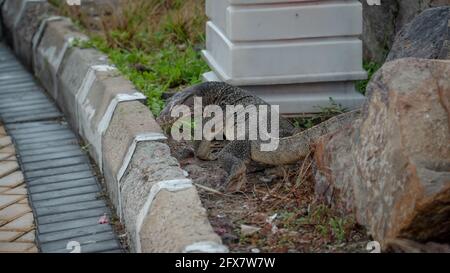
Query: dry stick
x=302 y=172
x=271 y=194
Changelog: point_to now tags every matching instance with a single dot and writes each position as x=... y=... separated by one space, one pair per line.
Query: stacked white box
x=286 y=47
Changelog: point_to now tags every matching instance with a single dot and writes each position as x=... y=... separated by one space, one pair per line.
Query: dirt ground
x=276 y=212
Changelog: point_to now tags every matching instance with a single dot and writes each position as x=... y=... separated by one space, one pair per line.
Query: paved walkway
x=17 y=230
x=65 y=195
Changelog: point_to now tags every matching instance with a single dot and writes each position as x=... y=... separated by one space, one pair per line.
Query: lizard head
x=184 y=97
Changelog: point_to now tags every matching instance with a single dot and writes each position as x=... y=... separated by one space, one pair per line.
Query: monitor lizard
x=237 y=154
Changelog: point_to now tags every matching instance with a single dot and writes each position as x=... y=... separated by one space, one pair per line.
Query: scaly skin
x=296 y=147
x=237 y=154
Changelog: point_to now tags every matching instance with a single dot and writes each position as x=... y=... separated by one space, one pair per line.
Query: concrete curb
x=159 y=206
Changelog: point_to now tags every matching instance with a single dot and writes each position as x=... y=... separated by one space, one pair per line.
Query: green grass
x=325 y=113
x=371 y=68
x=324 y=221
x=157 y=72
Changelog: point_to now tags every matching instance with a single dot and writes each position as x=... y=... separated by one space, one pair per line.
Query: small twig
x=271 y=194
x=209 y=189
x=302 y=173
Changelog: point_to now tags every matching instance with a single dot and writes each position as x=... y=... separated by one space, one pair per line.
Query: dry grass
x=300 y=222
x=143 y=24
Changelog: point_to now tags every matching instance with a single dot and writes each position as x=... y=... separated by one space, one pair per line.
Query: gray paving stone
x=73 y=233
x=55 y=171
x=31 y=124
x=100 y=246
x=47 y=138
x=11 y=103
x=65 y=193
x=60 y=178
x=66 y=200
x=63 y=189
x=37 y=116
x=60 y=155
x=63 y=217
x=60 y=246
x=67 y=225
x=44 y=211
x=56 y=143
x=48 y=150
x=13 y=99
x=18 y=95
x=55 y=163
x=26 y=108
x=24 y=132
x=63 y=185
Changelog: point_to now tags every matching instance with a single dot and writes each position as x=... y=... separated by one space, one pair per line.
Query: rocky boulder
x=378 y=29
x=427 y=36
x=408 y=246
x=382 y=23
x=402 y=152
x=334 y=165
x=392 y=167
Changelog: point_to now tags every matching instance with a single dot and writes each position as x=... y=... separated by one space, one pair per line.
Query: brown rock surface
x=402 y=152
x=392 y=168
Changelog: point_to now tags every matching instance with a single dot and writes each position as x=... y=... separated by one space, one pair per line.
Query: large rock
x=378 y=29
x=409 y=9
x=402 y=153
x=392 y=167
x=334 y=167
x=427 y=36
x=382 y=23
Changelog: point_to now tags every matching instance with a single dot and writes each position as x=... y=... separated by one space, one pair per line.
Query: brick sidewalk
x=17 y=229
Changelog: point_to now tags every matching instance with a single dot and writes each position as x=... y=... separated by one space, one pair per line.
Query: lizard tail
x=297 y=147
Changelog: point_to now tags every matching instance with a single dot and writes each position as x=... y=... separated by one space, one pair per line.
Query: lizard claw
x=237 y=180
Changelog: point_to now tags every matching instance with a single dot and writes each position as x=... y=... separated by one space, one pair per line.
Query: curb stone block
x=28 y=21
x=151 y=163
x=73 y=75
x=130 y=120
x=96 y=107
x=50 y=51
x=1 y=20
x=13 y=11
x=180 y=215
x=10 y=11
x=177 y=222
